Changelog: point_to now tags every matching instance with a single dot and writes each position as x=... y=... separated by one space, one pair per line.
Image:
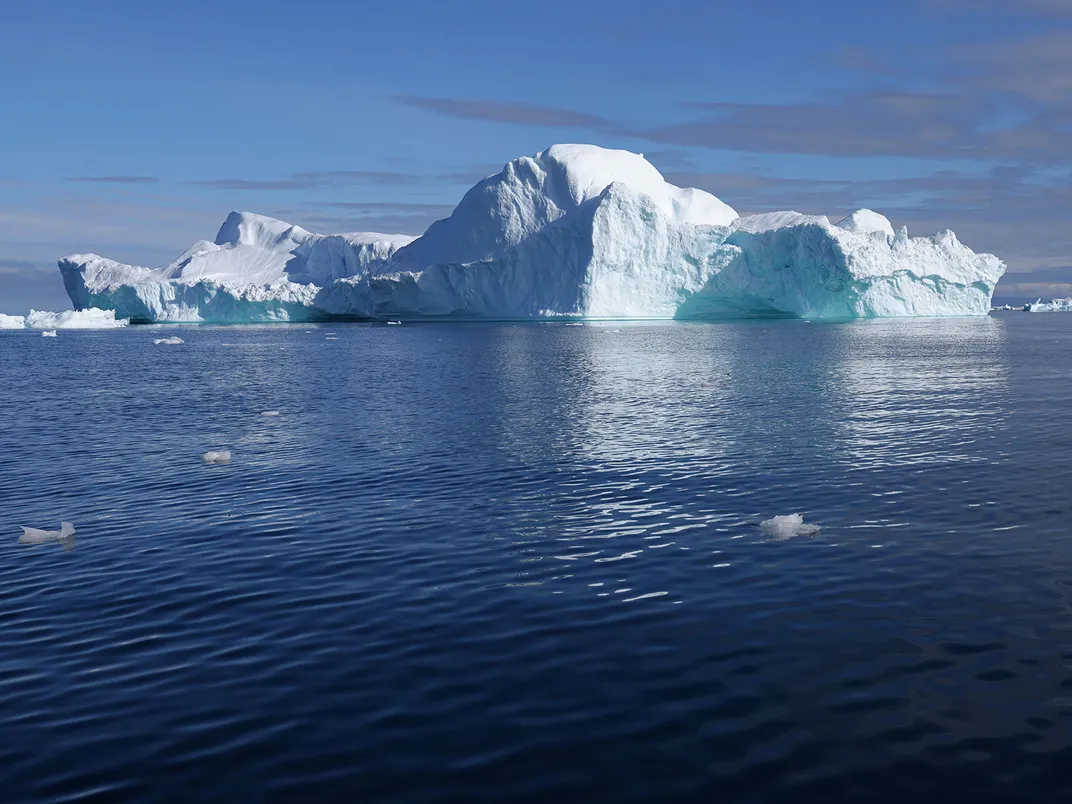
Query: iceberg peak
x=864 y=221
x=251 y=229
x=532 y=192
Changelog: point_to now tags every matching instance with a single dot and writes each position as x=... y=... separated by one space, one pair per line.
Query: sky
x=131 y=129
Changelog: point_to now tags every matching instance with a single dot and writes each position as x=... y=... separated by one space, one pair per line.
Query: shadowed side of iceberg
x=806 y=267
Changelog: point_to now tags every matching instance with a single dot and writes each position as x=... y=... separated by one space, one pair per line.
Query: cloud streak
x=525 y=114
x=119 y=179
x=313 y=180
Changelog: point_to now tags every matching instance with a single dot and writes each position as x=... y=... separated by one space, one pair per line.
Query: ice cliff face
x=575 y=230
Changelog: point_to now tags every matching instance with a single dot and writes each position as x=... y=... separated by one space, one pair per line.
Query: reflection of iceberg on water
x=34 y=536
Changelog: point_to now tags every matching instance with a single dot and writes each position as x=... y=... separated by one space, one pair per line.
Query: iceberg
x=1052 y=306
x=577 y=231
x=88 y=318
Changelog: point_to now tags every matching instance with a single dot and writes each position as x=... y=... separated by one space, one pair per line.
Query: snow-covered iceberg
x=575 y=230
x=87 y=318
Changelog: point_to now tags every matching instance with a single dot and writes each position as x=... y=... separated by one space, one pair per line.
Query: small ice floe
x=394 y=323
x=331 y=338
x=48 y=333
x=574 y=324
x=171 y=341
x=270 y=413
x=217 y=456
x=787 y=526
x=65 y=536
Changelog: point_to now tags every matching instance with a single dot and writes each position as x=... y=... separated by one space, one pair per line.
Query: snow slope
x=574 y=230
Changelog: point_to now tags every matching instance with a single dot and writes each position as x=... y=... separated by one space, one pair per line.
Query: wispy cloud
x=525 y=114
x=12 y=264
x=116 y=179
x=389 y=206
x=312 y=180
x=1054 y=8
x=1035 y=69
x=878 y=123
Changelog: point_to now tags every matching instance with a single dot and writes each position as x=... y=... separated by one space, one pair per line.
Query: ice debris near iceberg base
x=575 y=230
x=91 y=318
x=1052 y=306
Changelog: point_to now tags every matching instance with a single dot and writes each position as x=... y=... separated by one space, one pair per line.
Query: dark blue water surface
x=484 y=563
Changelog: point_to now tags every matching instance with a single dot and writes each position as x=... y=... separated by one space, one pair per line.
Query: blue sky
x=131 y=129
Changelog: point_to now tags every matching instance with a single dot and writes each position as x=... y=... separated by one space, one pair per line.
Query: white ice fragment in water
x=48 y=333
x=394 y=323
x=172 y=341
x=270 y=413
x=217 y=456
x=65 y=536
x=787 y=526
x=330 y=339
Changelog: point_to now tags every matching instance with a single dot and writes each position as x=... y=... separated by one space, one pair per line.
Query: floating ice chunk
x=172 y=341
x=787 y=526
x=1054 y=306
x=12 y=321
x=65 y=536
x=331 y=338
x=393 y=323
x=92 y=318
x=270 y=413
x=217 y=456
x=48 y=333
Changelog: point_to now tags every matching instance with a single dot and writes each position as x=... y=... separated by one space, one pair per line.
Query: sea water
x=490 y=562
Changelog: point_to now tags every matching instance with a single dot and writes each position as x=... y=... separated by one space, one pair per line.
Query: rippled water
x=523 y=563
